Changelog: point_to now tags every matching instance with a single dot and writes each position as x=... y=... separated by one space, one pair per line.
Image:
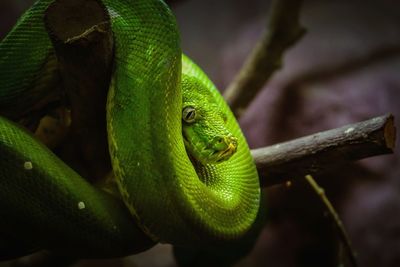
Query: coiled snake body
x=182 y=165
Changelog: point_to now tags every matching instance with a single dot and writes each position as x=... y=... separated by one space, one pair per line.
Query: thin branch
x=335 y=218
x=316 y=153
x=346 y=66
x=282 y=31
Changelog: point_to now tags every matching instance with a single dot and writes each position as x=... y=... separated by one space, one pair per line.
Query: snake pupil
x=190 y=115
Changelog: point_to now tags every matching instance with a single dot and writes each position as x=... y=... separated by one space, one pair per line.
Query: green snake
x=182 y=165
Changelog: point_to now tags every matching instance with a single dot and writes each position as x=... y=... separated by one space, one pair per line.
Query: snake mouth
x=227 y=153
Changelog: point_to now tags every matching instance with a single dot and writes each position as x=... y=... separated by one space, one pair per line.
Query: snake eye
x=189 y=114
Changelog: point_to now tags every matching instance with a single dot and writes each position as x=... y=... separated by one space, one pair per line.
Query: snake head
x=205 y=135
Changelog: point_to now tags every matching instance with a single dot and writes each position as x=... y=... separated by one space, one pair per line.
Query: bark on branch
x=316 y=153
x=82 y=38
x=283 y=29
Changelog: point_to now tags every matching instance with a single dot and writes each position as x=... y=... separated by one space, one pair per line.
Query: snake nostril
x=233 y=140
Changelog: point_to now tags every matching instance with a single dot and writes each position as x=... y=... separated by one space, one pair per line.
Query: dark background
x=346 y=69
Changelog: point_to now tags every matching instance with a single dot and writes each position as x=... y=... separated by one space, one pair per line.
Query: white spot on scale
x=112 y=13
x=28 y=165
x=81 y=205
x=349 y=130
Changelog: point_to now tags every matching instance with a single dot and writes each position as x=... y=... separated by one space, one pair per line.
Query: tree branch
x=282 y=31
x=84 y=48
x=316 y=153
x=346 y=66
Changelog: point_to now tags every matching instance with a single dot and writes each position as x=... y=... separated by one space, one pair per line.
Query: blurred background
x=345 y=69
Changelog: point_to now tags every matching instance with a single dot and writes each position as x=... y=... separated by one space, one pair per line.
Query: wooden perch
x=316 y=153
x=84 y=48
x=282 y=31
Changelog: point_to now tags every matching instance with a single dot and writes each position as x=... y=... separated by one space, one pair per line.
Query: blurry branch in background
x=346 y=66
x=283 y=29
x=322 y=151
x=335 y=218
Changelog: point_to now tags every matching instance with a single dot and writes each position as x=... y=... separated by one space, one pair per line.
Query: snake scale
x=182 y=165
